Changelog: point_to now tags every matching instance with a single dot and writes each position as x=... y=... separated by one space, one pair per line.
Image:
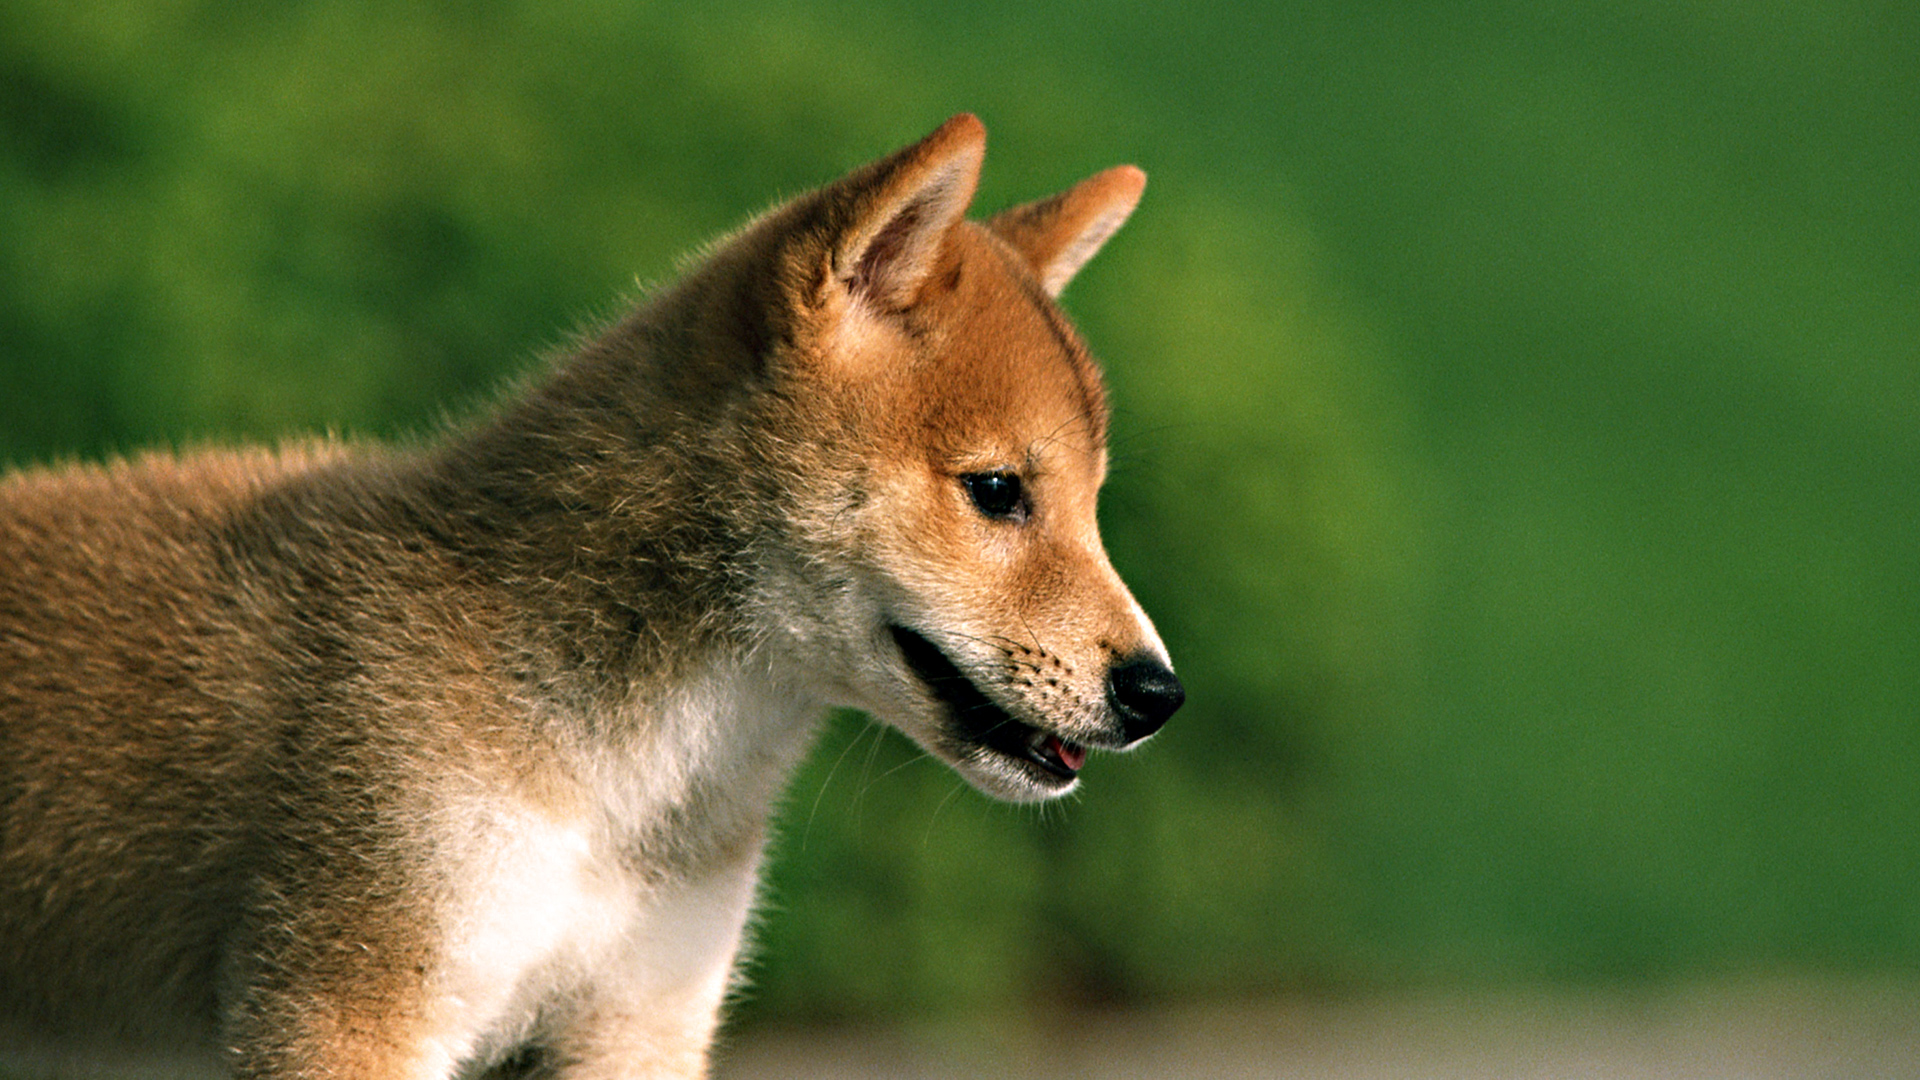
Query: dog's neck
x=687 y=777
x=627 y=554
x=619 y=509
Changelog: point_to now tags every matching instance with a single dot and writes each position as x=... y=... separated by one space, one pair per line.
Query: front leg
x=324 y=1036
x=632 y=1040
x=331 y=995
x=652 y=1005
x=336 y=967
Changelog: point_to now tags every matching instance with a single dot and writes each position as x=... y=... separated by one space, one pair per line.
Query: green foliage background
x=1518 y=428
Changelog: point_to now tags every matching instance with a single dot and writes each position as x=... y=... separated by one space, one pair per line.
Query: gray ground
x=1772 y=1030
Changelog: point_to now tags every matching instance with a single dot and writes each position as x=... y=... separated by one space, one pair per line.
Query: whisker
x=806 y=831
x=934 y=818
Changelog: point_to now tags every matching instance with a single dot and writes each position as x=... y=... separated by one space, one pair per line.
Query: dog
x=457 y=759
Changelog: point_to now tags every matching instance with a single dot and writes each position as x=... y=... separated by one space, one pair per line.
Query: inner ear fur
x=900 y=210
x=1060 y=233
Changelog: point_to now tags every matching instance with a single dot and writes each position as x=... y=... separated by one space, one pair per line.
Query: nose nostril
x=1144 y=692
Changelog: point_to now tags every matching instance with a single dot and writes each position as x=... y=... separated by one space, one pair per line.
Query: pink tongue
x=1071 y=756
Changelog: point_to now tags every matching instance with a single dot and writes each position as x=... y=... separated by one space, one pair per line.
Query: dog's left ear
x=1059 y=234
x=899 y=211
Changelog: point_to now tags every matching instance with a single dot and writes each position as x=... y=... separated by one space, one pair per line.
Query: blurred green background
x=1517 y=434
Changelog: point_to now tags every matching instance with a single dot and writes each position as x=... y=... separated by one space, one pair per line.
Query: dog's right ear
x=1059 y=234
x=898 y=212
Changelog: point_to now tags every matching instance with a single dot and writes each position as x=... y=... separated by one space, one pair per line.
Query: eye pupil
x=995 y=494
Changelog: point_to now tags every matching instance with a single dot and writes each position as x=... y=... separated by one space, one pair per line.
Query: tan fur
x=354 y=761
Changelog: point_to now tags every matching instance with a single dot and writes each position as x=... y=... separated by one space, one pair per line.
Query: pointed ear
x=901 y=209
x=1059 y=234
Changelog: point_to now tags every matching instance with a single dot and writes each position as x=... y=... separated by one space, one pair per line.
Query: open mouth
x=978 y=719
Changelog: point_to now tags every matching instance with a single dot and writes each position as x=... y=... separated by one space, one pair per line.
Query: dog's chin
x=1009 y=779
x=999 y=755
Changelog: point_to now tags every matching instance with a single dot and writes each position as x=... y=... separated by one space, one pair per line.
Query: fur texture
x=355 y=761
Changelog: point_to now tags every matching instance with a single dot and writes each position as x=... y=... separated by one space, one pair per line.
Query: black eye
x=996 y=494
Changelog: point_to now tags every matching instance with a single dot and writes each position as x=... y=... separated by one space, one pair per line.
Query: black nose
x=1144 y=692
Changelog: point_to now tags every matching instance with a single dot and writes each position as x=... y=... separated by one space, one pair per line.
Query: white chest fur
x=549 y=913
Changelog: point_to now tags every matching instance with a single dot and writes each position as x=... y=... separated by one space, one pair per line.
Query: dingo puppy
x=349 y=761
